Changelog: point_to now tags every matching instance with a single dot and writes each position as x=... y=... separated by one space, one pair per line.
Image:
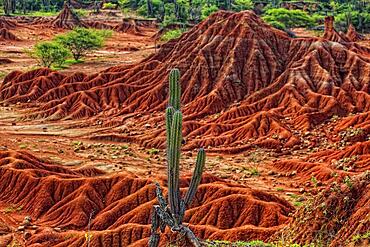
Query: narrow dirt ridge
x=5 y=34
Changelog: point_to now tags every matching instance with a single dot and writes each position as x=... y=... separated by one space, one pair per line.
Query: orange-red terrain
x=55 y=196
x=295 y=110
x=244 y=84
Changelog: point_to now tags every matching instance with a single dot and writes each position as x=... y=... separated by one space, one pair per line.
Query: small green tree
x=80 y=41
x=289 y=18
x=171 y=34
x=50 y=53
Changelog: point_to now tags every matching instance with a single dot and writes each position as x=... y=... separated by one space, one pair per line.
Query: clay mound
x=329 y=165
x=5 y=34
x=128 y=26
x=334 y=217
x=42 y=20
x=8 y=24
x=332 y=34
x=67 y=19
x=244 y=84
x=99 y=25
x=55 y=196
x=353 y=35
x=30 y=85
x=150 y=23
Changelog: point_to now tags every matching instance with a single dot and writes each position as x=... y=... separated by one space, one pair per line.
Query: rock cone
x=128 y=26
x=8 y=24
x=67 y=19
x=353 y=35
x=5 y=34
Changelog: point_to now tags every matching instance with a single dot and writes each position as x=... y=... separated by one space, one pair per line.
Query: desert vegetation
x=108 y=108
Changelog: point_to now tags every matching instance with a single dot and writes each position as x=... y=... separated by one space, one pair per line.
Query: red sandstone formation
x=244 y=84
x=99 y=25
x=353 y=35
x=55 y=196
x=332 y=34
x=329 y=165
x=8 y=24
x=67 y=19
x=5 y=34
x=128 y=26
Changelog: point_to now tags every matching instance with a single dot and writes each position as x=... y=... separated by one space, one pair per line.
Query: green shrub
x=171 y=34
x=289 y=18
x=80 y=41
x=105 y=33
x=81 y=12
x=277 y=25
x=109 y=6
x=50 y=53
x=208 y=10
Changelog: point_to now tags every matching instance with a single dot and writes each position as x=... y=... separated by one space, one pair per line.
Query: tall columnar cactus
x=172 y=216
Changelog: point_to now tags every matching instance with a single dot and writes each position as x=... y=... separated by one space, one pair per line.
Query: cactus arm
x=175 y=89
x=154 y=236
x=182 y=210
x=174 y=164
x=197 y=176
x=169 y=117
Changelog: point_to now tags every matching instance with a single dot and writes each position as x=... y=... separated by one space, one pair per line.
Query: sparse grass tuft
x=12 y=209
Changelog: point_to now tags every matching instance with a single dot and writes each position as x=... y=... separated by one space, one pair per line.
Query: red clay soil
x=244 y=84
x=55 y=196
x=67 y=19
x=332 y=34
x=5 y=34
x=99 y=25
x=353 y=35
x=128 y=26
x=8 y=24
x=329 y=165
x=338 y=216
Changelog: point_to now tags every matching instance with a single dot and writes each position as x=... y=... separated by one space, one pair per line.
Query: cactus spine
x=172 y=216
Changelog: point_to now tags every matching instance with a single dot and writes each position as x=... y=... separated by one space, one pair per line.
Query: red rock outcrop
x=332 y=34
x=5 y=34
x=128 y=26
x=67 y=19
x=8 y=24
x=353 y=35
x=244 y=84
x=55 y=196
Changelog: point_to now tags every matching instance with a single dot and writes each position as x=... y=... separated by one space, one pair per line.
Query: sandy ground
x=121 y=48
